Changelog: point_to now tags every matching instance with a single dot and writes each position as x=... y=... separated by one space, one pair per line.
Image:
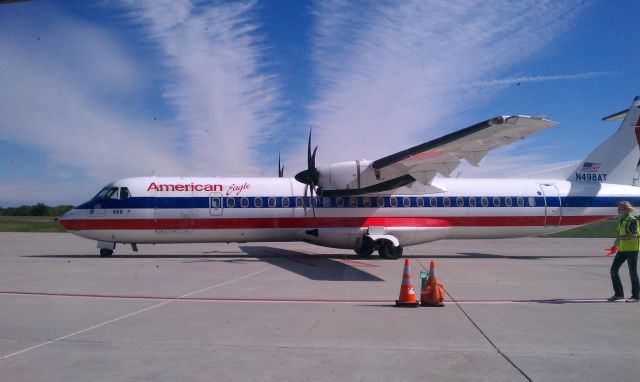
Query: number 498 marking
x=118 y=212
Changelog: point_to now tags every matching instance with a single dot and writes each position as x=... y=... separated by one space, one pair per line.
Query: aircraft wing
x=444 y=154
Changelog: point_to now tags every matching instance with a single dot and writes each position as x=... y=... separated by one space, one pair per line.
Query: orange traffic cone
x=432 y=293
x=407 y=293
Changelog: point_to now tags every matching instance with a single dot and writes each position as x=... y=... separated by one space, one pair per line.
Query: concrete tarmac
x=516 y=310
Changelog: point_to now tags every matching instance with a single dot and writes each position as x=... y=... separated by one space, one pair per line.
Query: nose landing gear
x=106 y=248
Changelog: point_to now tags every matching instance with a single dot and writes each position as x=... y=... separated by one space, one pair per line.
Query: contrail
x=559 y=77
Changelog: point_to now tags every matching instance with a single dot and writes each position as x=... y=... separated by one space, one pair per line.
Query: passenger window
x=244 y=202
x=124 y=193
x=380 y=201
x=460 y=201
x=326 y=201
x=257 y=202
x=420 y=202
x=472 y=201
x=485 y=201
x=532 y=201
x=340 y=202
x=393 y=201
x=272 y=202
x=508 y=202
x=366 y=202
x=406 y=201
x=433 y=201
x=231 y=202
x=299 y=202
x=496 y=201
x=353 y=201
x=285 y=202
x=520 y=201
x=446 y=201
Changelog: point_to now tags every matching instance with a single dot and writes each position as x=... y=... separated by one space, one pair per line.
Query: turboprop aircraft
x=381 y=205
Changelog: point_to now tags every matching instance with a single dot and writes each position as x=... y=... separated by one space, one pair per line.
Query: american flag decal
x=590 y=167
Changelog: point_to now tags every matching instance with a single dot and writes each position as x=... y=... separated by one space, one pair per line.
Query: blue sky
x=95 y=91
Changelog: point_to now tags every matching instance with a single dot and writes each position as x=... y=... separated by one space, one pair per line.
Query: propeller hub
x=308 y=177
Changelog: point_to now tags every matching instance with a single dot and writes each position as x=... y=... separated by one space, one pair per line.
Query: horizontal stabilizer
x=615 y=116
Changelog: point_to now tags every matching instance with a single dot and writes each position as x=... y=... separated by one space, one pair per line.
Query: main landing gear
x=385 y=249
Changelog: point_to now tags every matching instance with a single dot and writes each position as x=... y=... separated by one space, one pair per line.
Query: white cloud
x=75 y=91
x=224 y=100
x=391 y=73
x=59 y=86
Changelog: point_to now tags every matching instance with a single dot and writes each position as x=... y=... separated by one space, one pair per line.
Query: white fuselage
x=185 y=210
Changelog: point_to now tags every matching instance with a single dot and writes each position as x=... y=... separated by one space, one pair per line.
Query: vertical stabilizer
x=617 y=160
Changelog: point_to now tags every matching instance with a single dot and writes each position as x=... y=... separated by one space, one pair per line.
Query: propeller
x=310 y=175
x=280 y=168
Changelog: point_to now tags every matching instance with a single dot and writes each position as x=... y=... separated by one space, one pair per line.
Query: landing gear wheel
x=104 y=252
x=388 y=251
x=366 y=249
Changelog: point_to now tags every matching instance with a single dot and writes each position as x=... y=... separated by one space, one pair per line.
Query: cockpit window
x=102 y=193
x=112 y=193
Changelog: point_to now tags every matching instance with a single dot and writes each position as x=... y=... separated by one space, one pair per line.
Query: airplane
x=381 y=205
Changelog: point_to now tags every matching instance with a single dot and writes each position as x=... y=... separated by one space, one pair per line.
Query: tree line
x=39 y=209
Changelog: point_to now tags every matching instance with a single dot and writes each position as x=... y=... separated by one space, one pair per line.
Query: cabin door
x=552 y=205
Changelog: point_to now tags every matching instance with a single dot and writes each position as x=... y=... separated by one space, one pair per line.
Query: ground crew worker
x=628 y=245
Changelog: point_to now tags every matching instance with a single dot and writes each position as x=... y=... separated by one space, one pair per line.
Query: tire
x=388 y=251
x=104 y=252
x=366 y=249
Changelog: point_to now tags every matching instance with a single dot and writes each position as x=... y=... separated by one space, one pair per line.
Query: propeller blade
x=309 y=164
x=310 y=176
x=311 y=201
x=304 y=204
x=312 y=165
x=280 y=168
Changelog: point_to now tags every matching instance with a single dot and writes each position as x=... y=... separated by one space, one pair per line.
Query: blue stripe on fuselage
x=453 y=202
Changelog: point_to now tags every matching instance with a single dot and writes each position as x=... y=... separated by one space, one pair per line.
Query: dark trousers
x=632 y=261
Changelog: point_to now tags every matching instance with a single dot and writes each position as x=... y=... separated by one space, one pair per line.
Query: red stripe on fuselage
x=334 y=222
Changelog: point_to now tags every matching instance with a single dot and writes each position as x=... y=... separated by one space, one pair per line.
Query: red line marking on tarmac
x=300 y=261
x=291 y=300
x=358 y=264
x=353 y=263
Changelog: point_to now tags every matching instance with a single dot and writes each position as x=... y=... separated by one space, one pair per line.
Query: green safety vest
x=632 y=245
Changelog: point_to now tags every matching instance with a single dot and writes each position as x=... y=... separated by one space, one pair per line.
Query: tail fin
x=617 y=160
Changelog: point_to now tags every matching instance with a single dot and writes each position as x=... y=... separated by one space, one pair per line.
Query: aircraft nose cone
x=66 y=215
x=65 y=218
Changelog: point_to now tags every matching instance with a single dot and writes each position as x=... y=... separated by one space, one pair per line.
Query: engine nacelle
x=357 y=178
x=349 y=175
